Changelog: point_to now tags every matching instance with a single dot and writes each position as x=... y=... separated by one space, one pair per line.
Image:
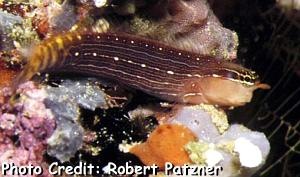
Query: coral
x=25 y=129
x=165 y=144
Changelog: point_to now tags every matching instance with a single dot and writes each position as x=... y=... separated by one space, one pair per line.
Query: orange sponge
x=165 y=144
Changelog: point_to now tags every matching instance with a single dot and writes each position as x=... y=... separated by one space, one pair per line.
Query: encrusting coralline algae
x=25 y=129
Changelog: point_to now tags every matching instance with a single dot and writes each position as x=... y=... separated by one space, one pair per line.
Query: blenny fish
x=147 y=65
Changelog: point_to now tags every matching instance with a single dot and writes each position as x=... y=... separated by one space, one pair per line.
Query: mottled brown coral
x=165 y=144
x=19 y=9
x=6 y=75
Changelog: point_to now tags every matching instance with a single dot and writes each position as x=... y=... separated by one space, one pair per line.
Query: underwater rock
x=184 y=26
x=64 y=19
x=16 y=30
x=188 y=25
x=51 y=18
x=23 y=35
x=7 y=21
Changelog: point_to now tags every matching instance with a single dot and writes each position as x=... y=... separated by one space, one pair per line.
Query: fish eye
x=247 y=78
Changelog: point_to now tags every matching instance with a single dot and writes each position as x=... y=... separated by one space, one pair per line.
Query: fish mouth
x=259 y=85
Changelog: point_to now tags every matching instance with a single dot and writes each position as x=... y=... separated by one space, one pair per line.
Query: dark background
x=269 y=44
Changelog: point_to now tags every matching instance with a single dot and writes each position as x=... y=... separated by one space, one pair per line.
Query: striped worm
x=152 y=67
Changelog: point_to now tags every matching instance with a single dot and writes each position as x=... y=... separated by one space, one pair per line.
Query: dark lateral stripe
x=141 y=63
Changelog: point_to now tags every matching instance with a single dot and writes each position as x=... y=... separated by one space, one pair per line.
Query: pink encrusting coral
x=25 y=127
